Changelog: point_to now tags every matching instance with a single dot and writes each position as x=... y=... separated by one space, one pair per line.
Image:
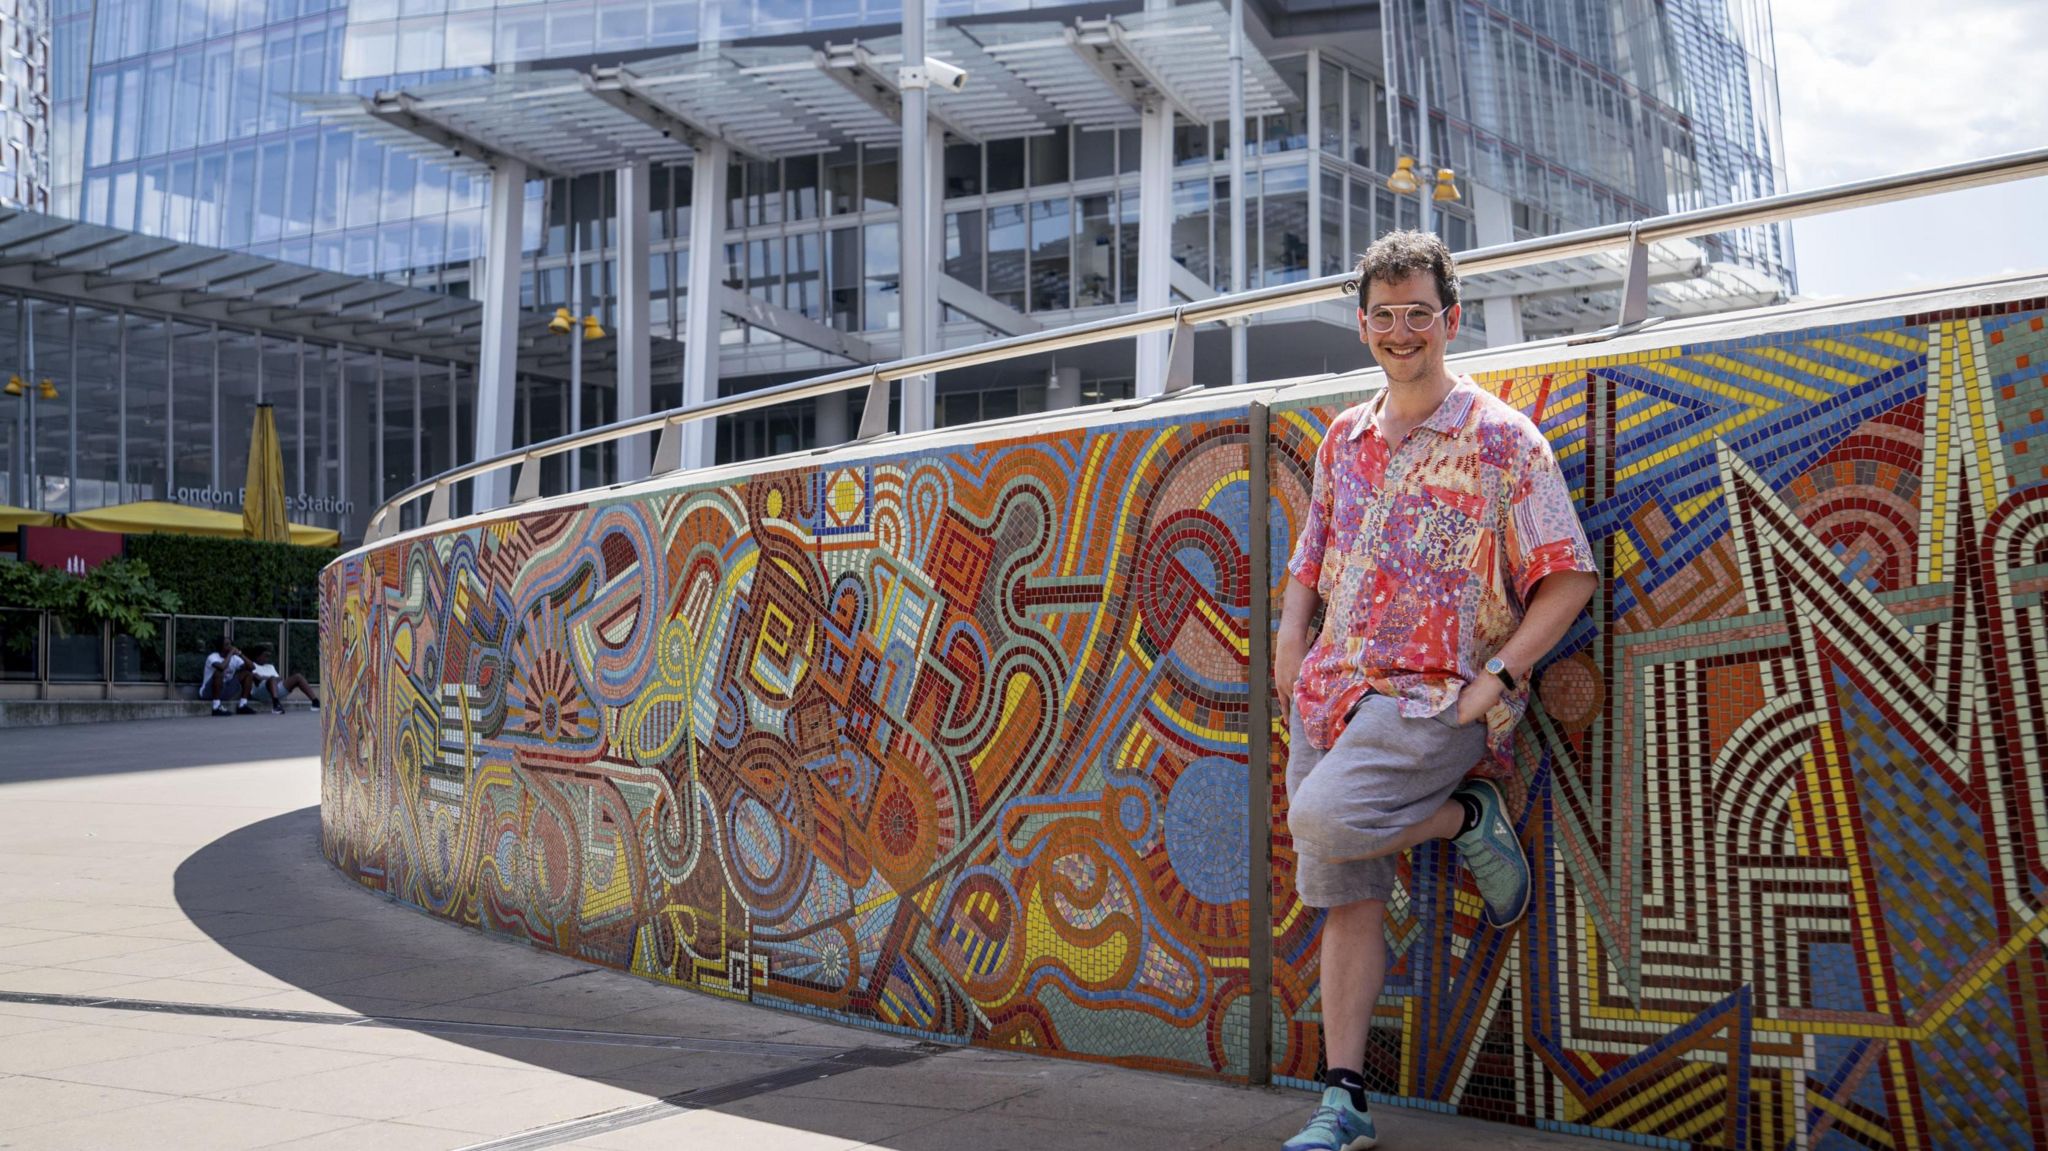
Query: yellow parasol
x=263 y=496
x=12 y=518
x=147 y=516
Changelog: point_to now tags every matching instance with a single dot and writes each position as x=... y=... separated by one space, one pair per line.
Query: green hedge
x=220 y=576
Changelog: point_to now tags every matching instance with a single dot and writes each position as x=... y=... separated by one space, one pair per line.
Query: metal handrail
x=1499 y=257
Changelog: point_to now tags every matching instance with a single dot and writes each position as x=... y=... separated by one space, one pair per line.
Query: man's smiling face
x=1407 y=355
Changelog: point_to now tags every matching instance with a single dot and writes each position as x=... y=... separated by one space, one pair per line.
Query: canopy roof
x=770 y=101
x=107 y=267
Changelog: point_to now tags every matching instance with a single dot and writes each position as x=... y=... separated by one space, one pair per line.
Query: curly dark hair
x=1399 y=255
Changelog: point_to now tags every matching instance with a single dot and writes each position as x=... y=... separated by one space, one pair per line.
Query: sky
x=1873 y=87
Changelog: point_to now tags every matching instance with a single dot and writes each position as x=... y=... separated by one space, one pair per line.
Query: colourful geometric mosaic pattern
x=951 y=743
x=956 y=744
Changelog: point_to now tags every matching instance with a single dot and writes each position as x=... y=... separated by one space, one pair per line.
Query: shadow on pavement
x=81 y=750
x=265 y=894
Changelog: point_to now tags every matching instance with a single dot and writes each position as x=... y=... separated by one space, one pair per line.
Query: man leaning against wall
x=1441 y=545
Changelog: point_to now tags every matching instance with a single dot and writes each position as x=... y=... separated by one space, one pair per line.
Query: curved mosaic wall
x=956 y=742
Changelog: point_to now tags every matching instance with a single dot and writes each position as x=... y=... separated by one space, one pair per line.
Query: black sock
x=1351 y=1081
x=1472 y=812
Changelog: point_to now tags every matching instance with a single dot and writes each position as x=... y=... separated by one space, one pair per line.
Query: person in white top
x=261 y=673
x=222 y=679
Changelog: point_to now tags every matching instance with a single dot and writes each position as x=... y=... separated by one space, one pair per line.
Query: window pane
x=883 y=303
x=1283 y=239
x=275 y=175
x=1006 y=238
x=52 y=324
x=1094 y=253
x=1288 y=131
x=185 y=98
x=279 y=59
x=238 y=368
x=1049 y=158
x=800 y=187
x=1333 y=224
x=1051 y=260
x=963 y=170
x=842 y=179
x=365 y=182
x=220 y=74
x=178 y=205
x=1331 y=110
x=128 y=129
x=237 y=216
x=157 y=134
x=842 y=273
x=1005 y=165
x=1094 y=155
x=96 y=376
x=151 y=209
x=1190 y=243
x=878 y=177
x=964 y=247
x=248 y=101
x=192 y=407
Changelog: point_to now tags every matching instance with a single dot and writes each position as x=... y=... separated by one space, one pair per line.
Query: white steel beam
x=636 y=342
x=497 y=369
x=700 y=318
x=1155 y=255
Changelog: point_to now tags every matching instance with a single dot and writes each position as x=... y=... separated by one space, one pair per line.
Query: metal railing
x=44 y=655
x=1635 y=238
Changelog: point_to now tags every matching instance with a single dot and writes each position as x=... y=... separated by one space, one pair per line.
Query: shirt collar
x=1446 y=420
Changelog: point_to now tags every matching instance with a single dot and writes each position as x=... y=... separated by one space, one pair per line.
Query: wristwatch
x=1500 y=669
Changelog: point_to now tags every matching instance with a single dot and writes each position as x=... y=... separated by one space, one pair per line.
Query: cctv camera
x=951 y=77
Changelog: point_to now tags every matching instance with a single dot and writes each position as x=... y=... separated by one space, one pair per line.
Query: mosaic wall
x=953 y=743
x=957 y=744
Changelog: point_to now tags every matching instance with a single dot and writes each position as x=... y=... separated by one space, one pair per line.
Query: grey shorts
x=1385 y=774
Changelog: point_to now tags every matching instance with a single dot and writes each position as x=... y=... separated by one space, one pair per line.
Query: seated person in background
x=224 y=679
x=261 y=673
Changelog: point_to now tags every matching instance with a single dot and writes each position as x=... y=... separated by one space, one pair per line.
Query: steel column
x=1155 y=230
x=914 y=232
x=636 y=348
x=497 y=366
x=1239 y=364
x=700 y=335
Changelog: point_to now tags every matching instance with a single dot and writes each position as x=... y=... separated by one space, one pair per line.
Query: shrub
x=221 y=576
x=119 y=591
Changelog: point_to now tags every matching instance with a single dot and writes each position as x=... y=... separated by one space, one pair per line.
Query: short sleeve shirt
x=1425 y=554
x=217 y=663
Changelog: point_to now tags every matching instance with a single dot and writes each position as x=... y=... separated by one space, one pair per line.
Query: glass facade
x=25 y=104
x=181 y=124
x=1592 y=113
x=1578 y=113
x=157 y=407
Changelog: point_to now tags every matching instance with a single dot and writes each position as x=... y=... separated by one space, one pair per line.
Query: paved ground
x=180 y=968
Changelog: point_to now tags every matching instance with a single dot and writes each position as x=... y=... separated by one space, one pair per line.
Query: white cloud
x=1872 y=87
x=1876 y=86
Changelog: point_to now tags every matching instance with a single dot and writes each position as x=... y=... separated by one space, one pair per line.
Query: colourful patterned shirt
x=1425 y=556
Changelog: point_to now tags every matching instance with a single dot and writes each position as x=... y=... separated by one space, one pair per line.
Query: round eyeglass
x=1417 y=317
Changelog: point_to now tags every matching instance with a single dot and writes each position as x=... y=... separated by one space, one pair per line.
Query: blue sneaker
x=1494 y=855
x=1336 y=1126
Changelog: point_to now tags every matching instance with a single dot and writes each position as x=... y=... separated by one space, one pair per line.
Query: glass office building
x=25 y=104
x=1553 y=115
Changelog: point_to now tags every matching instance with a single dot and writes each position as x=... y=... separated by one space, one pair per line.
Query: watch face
x=1495 y=665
